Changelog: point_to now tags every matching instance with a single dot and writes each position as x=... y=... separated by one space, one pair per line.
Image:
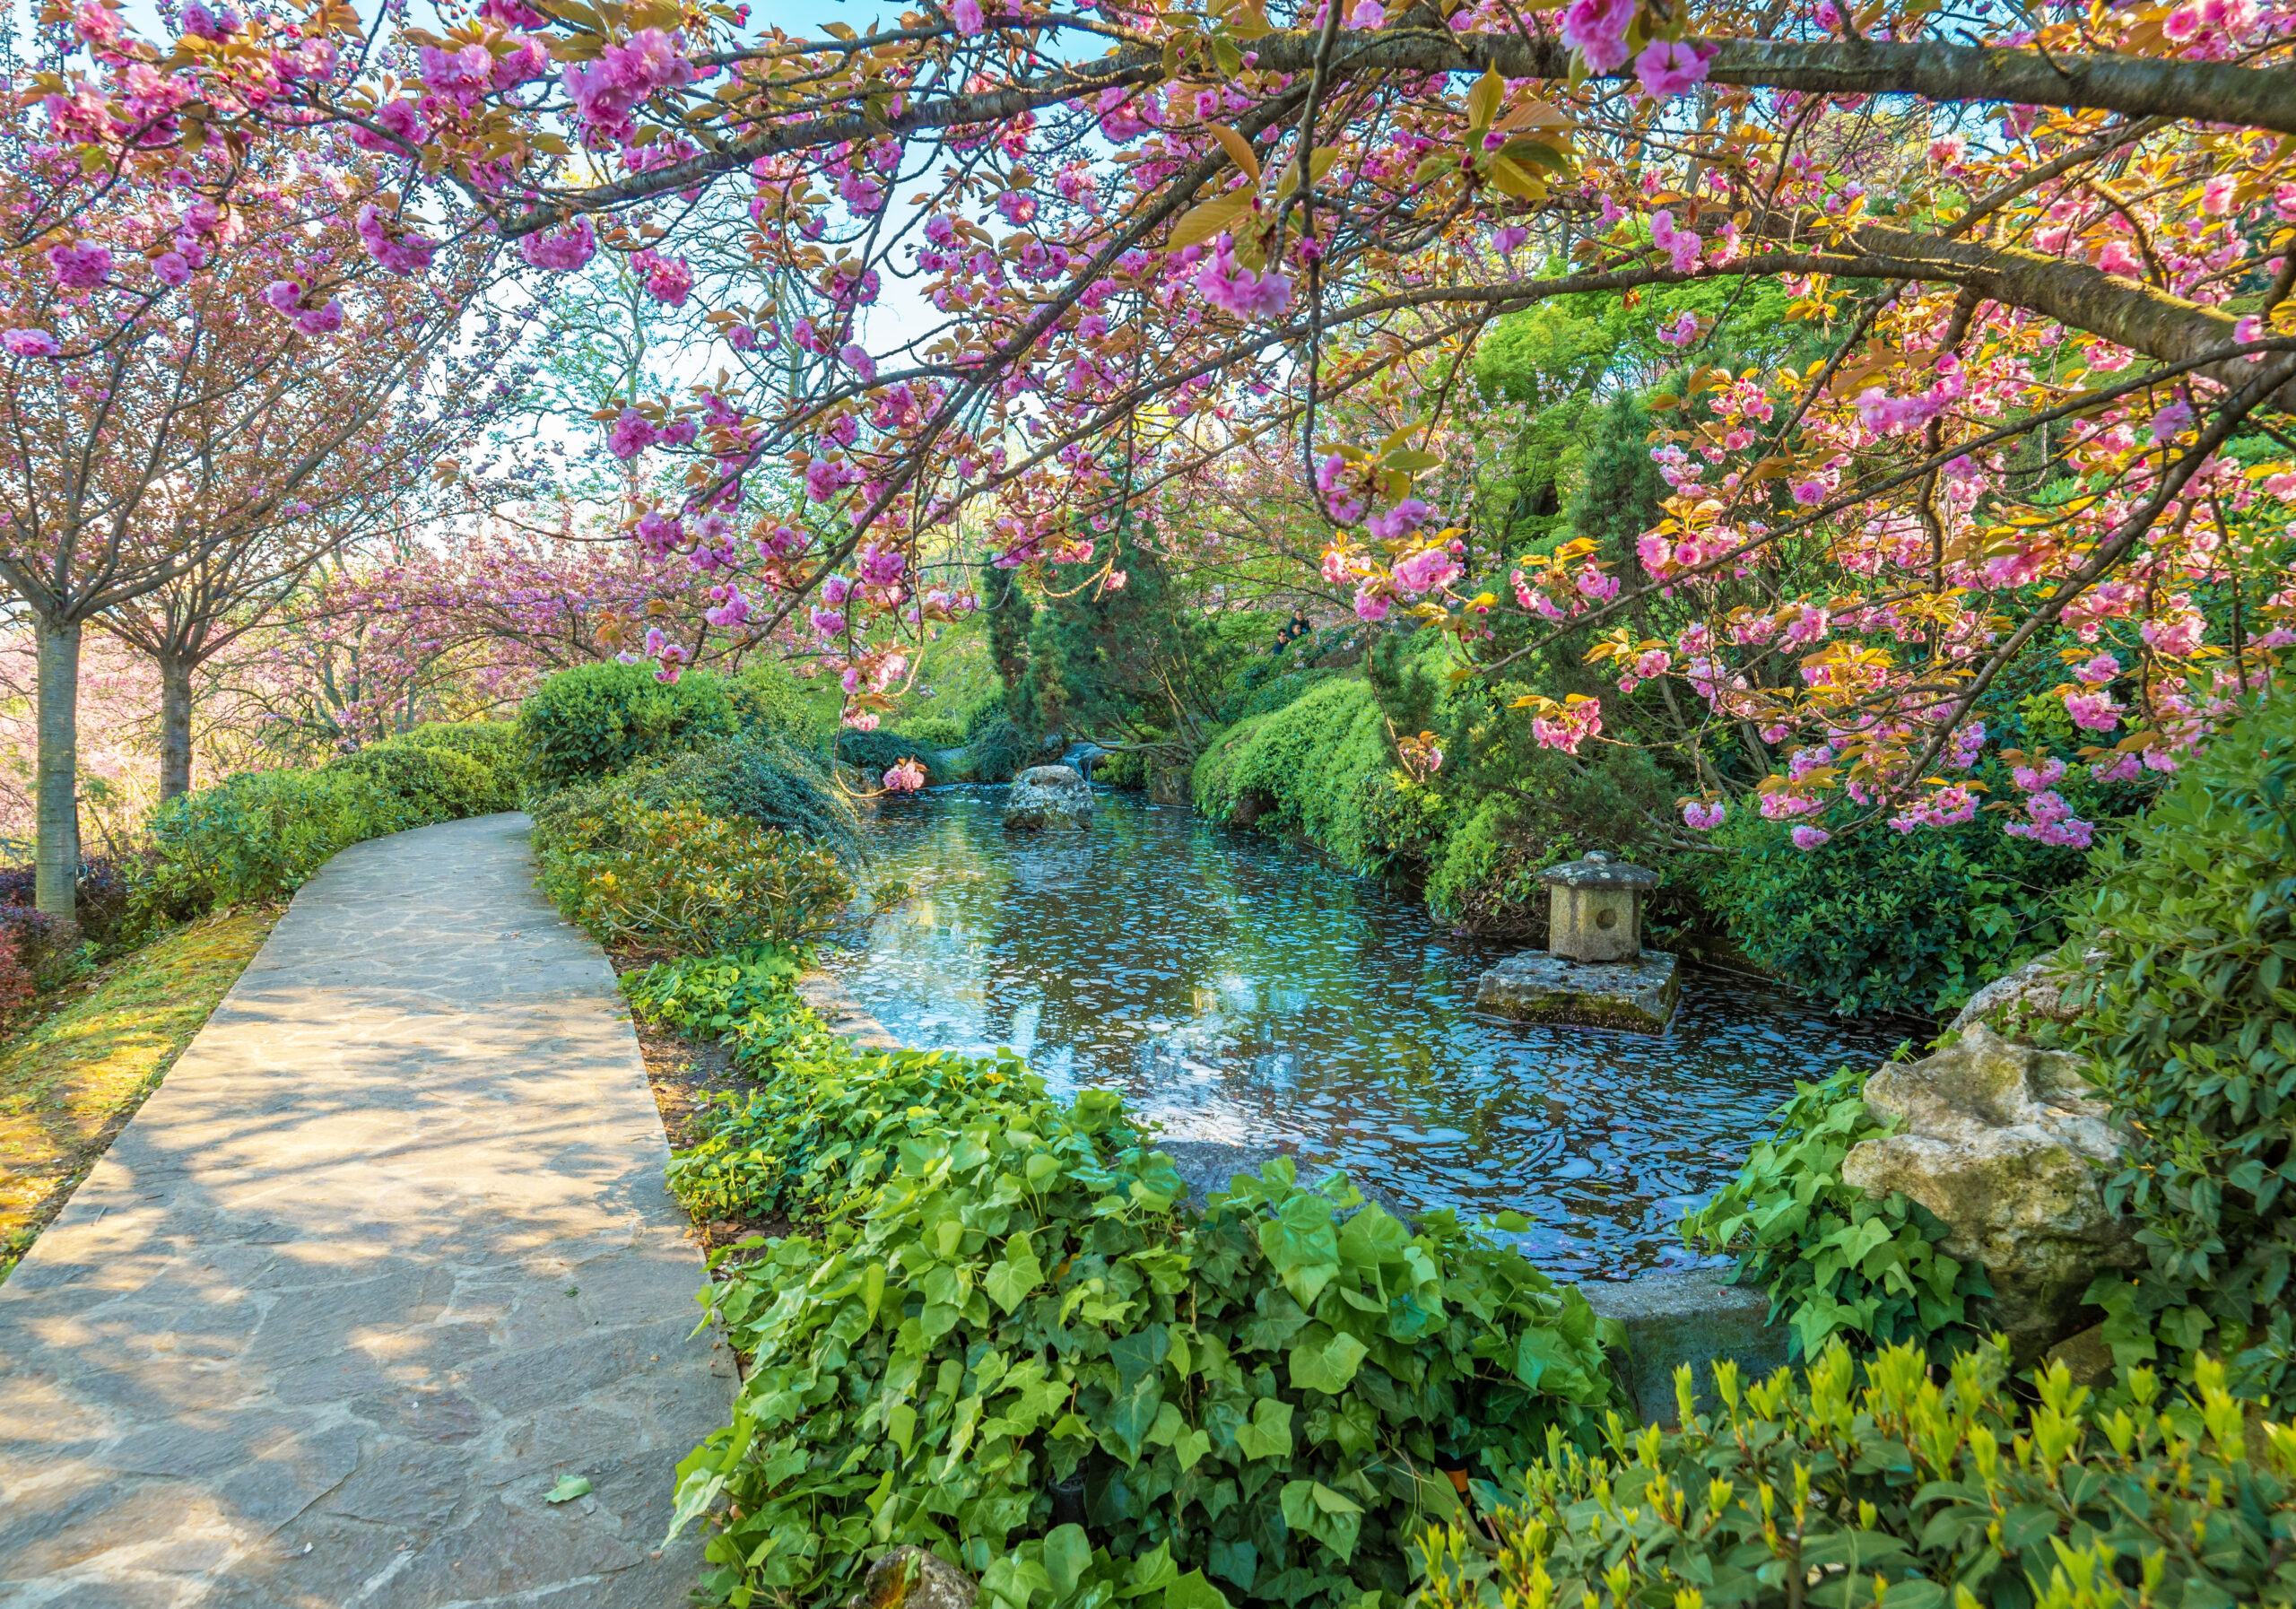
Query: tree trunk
x=58 y=857
x=174 y=726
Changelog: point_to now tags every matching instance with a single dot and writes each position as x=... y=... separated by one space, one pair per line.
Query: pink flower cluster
x=1575 y=723
x=1680 y=245
x=1426 y=570
x=2051 y=821
x=389 y=244
x=1234 y=288
x=907 y=776
x=1943 y=807
x=667 y=280
x=81 y=266
x=1666 y=70
x=1703 y=815
x=28 y=344
x=1596 y=30
x=287 y=298
x=607 y=91
x=560 y=250
x=632 y=433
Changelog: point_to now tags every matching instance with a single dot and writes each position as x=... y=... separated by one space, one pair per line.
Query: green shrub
x=596 y=719
x=1008 y=1303
x=498 y=746
x=1896 y=1491
x=1310 y=768
x=768 y=702
x=413 y=786
x=873 y=753
x=1266 y=686
x=999 y=750
x=2182 y=956
x=756 y=778
x=1883 y=921
x=681 y=877
x=1834 y=1264
x=934 y=730
x=262 y=834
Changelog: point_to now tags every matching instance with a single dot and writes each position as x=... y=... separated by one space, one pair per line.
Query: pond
x=1236 y=989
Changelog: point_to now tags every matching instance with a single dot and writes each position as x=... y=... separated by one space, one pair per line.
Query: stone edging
x=845 y=1015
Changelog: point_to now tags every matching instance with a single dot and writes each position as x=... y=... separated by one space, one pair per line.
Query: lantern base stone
x=1540 y=986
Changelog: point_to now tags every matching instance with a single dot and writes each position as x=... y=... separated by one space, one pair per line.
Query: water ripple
x=1235 y=988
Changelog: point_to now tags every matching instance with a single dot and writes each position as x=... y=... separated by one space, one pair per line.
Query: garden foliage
x=873 y=753
x=1836 y=1266
x=1010 y=1327
x=261 y=835
x=756 y=778
x=2183 y=959
x=1898 y=1489
x=593 y=720
x=629 y=872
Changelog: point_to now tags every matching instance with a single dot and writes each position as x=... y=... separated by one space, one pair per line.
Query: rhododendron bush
x=2045 y=273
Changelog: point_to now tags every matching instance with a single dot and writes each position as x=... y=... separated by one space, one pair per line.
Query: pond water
x=1236 y=989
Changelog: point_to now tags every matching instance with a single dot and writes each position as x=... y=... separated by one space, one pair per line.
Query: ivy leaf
x=1192 y=1591
x=568 y=1489
x=1269 y=1433
x=1330 y=1366
x=1331 y=1517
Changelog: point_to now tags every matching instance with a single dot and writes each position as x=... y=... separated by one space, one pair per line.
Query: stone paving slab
x=387 y=1253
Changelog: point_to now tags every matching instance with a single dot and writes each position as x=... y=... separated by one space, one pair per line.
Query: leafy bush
x=934 y=730
x=1881 y=921
x=680 y=876
x=497 y=747
x=1834 y=1264
x=873 y=753
x=2187 y=1009
x=755 y=777
x=258 y=836
x=999 y=750
x=1309 y=768
x=596 y=719
x=420 y=784
x=1897 y=1492
x=35 y=952
x=768 y=702
x=1009 y=1328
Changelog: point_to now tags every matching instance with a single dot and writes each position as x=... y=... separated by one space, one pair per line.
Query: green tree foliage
x=2182 y=961
x=1893 y=1485
x=1620 y=493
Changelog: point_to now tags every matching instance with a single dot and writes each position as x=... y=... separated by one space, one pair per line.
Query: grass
x=70 y=1080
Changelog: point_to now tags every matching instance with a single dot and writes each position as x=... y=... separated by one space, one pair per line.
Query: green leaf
x=1269 y=1433
x=568 y=1489
x=1328 y=1367
x=1192 y=1591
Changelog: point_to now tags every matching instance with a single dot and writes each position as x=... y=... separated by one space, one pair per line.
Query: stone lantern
x=1592 y=972
x=1596 y=907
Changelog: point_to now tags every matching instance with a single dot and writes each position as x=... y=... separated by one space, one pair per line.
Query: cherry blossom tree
x=2046 y=265
x=194 y=410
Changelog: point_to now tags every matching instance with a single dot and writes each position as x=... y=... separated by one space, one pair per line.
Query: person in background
x=1292 y=631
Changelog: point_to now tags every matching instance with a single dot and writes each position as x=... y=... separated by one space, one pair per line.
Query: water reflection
x=1236 y=989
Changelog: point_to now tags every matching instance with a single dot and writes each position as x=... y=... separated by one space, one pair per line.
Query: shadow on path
x=387 y=1253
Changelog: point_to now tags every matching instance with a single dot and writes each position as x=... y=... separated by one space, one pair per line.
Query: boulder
x=1048 y=795
x=2010 y=1004
x=2009 y=1146
x=910 y=1578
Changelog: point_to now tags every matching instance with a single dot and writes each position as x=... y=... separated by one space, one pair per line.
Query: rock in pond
x=1540 y=986
x=1697 y=1318
x=910 y=1577
x=2003 y=1142
x=1048 y=795
x=2011 y=1003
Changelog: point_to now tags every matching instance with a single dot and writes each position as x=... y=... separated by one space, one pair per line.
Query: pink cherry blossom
x=81 y=266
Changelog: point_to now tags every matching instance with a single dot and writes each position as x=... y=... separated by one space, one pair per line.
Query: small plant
x=934 y=730
x=687 y=879
x=1834 y=1264
x=1900 y=1490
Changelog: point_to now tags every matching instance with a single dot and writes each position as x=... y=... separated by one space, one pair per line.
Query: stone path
x=386 y=1254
